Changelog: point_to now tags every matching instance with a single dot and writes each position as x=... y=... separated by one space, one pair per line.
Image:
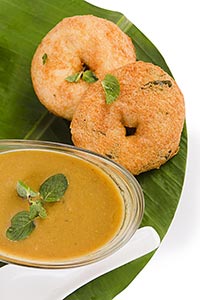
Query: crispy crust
x=96 y=42
x=150 y=101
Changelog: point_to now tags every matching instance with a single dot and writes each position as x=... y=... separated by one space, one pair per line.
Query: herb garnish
x=24 y=191
x=110 y=83
x=21 y=226
x=160 y=83
x=44 y=58
x=111 y=88
x=87 y=76
x=51 y=190
x=74 y=78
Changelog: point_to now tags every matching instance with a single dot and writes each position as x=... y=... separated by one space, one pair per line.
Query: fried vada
x=73 y=45
x=141 y=129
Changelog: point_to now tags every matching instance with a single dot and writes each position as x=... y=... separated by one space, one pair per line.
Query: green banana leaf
x=22 y=25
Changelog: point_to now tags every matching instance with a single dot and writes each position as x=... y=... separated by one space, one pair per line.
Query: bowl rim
x=111 y=246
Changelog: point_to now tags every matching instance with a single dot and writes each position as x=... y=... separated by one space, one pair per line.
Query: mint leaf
x=24 y=191
x=53 y=188
x=111 y=88
x=21 y=226
x=44 y=58
x=74 y=78
x=42 y=212
x=89 y=76
x=37 y=210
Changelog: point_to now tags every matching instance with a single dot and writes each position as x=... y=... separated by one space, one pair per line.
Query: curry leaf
x=44 y=58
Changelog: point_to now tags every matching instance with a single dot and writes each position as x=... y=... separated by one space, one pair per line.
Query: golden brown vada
x=141 y=130
x=74 y=44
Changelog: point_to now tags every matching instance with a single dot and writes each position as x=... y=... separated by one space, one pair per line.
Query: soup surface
x=88 y=215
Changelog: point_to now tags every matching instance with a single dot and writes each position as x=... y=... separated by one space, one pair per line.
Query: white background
x=173 y=26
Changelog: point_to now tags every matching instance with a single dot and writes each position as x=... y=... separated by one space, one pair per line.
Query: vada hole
x=130 y=130
x=85 y=67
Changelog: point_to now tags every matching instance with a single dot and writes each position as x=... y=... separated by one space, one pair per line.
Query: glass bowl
x=126 y=183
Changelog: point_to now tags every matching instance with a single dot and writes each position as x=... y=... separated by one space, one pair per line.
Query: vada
x=75 y=45
x=141 y=129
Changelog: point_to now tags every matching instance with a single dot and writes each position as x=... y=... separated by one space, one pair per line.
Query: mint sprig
x=75 y=77
x=86 y=75
x=51 y=190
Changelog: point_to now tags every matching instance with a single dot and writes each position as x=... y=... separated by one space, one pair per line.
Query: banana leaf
x=22 y=26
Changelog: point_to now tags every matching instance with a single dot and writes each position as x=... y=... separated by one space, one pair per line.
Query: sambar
x=88 y=216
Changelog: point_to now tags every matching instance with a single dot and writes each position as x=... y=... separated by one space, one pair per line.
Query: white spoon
x=22 y=283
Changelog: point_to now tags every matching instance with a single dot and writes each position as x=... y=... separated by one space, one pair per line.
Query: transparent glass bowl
x=129 y=189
